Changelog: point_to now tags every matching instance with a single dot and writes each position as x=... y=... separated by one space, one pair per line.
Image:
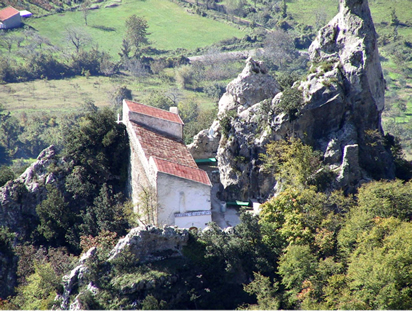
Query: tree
x=120 y=93
x=147 y=205
x=296 y=266
x=379 y=269
x=386 y=199
x=292 y=162
x=98 y=149
x=84 y=7
x=188 y=111
x=159 y=99
x=7 y=41
x=41 y=289
x=125 y=49
x=235 y=7
x=77 y=36
x=10 y=130
x=6 y=174
x=266 y=293
x=136 y=33
x=279 y=49
x=55 y=217
x=284 y=9
x=106 y=214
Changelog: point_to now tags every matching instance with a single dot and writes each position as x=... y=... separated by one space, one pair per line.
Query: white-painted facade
x=179 y=199
x=182 y=190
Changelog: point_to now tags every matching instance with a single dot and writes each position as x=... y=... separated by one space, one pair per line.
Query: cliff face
x=141 y=245
x=18 y=201
x=343 y=98
x=19 y=197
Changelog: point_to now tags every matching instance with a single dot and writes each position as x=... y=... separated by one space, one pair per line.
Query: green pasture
x=69 y=94
x=305 y=11
x=170 y=26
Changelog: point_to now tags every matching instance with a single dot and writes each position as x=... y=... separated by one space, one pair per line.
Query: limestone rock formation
x=141 y=245
x=19 y=197
x=343 y=98
x=251 y=86
x=151 y=243
x=18 y=201
x=75 y=279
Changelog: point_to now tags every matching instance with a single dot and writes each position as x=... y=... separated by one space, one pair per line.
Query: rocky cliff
x=18 y=201
x=19 y=197
x=343 y=98
x=142 y=245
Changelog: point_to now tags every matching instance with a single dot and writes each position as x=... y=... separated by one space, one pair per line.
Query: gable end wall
x=179 y=195
x=12 y=22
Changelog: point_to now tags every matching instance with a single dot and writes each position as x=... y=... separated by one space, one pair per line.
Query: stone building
x=9 y=18
x=162 y=168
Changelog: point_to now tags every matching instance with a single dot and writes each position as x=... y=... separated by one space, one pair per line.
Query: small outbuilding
x=25 y=13
x=9 y=18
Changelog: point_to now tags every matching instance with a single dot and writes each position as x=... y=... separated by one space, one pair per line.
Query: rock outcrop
x=141 y=245
x=343 y=98
x=19 y=197
x=18 y=201
x=151 y=243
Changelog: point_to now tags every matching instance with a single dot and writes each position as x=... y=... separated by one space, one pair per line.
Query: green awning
x=208 y=160
x=238 y=203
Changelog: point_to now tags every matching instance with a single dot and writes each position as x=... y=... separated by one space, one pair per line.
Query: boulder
x=251 y=86
x=147 y=243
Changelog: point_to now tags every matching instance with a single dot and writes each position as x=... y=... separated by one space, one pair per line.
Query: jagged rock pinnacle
x=343 y=97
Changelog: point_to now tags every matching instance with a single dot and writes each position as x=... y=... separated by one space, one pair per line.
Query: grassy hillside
x=174 y=26
x=68 y=94
x=170 y=26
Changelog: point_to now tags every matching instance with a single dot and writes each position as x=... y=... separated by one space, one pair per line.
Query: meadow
x=67 y=95
x=170 y=26
x=174 y=27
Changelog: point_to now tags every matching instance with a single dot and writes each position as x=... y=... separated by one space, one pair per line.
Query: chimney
x=174 y=110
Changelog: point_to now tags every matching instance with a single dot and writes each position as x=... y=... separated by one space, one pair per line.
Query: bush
x=184 y=76
x=6 y=174
x=215 y=90
x=291 y=101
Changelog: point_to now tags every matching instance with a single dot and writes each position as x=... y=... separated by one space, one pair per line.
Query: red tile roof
x=171 y=155
x=154 y=112
x=163 y=147
x=182 y=171
x=8 y=12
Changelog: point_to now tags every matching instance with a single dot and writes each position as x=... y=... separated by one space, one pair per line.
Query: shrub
x=6 y=174
x=291 y=101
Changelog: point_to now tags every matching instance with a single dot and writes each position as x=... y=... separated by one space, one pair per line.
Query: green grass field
x=306 y=10
x=66 y=95
x=170 y=26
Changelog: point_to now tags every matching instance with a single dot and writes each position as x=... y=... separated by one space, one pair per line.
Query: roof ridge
x=156 y=131
x=10 y=11
x=171 y=114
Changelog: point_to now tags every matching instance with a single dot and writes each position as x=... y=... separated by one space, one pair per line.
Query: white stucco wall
x=198 y=221
x=125 y=113
x=179 y=195
x=141 y=174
